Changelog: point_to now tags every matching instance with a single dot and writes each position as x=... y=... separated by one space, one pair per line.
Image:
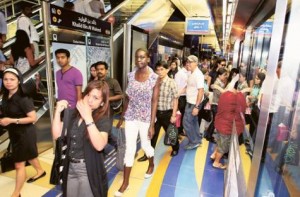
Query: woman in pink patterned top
x=140 y=110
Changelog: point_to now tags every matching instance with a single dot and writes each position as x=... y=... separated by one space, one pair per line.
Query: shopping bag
x=171 y=136
x=61 y=148
x=248 y=111
x=207 y=106
x=282 y=132
x=291 y=156
x=178 y=119
x=121 y=143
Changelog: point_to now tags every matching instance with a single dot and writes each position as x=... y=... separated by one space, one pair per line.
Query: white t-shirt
x=275 y=97
x=194 y=83
x=92 y=7
x=181 y=78
x=3 y=24
x=25 y=24
x=79 y=6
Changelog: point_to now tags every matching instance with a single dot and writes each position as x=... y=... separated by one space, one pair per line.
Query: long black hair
x=91 y=76
x=18 y=74
x=21 y=43
x=5 y=92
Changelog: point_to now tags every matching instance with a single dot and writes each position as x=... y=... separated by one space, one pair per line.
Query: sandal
x=212 y=158
x=219 y=166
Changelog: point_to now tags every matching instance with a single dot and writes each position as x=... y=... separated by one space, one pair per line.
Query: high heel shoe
x=119 y=194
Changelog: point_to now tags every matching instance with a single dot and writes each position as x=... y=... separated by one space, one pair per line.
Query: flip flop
x=219 y=166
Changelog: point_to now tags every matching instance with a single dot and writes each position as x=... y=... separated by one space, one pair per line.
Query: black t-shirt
x=78 y=133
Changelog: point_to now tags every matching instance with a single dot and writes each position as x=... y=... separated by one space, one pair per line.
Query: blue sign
x=265 y=28
x=196 y=26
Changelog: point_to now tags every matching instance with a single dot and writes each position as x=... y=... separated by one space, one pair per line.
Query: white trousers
x=132 y=130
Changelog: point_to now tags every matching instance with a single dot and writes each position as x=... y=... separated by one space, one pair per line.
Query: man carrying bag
x=167 y=106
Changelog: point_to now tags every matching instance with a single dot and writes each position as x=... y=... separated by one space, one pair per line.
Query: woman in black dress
x=87 y=134
x=19 y=115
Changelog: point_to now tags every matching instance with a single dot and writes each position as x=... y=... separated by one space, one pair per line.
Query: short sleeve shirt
x=275 y=99
x=181 y=79
x=140 y=97
x=18 y=106
x=167 y=92
x=25 y=24
x=3 y=24
x=78 y=133
x=217 y=93
x=114 y=86
x=194 y=83
x=66 y=85
x=231 y=108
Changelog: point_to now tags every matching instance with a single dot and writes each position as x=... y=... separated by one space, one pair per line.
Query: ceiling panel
x=195 y=8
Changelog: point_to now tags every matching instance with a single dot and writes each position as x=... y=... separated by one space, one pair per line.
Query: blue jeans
x=191 y=125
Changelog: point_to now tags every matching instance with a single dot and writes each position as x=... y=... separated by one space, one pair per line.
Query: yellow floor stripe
x=200 y=159
x=136 y=179
x=246 y=162
x=30 y=171
x=158 y=178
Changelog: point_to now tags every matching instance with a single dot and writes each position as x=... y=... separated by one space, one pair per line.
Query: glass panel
x=280 y=171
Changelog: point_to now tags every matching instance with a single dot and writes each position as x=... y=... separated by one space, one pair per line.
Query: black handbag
x=203 y=103
x=7 y=162
x=171 y=136
x=61 y=152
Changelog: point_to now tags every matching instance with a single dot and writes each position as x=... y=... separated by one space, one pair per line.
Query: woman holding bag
x=19 y=115
x=88 y=128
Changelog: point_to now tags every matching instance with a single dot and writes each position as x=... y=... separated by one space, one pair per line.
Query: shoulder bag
x=61 y=152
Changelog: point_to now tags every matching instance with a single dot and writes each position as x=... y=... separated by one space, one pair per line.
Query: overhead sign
x=196 y=26
x=66 y=18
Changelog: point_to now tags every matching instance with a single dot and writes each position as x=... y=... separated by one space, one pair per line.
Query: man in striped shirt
x=167 y=105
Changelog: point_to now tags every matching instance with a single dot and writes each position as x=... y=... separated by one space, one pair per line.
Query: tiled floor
x=188 y=174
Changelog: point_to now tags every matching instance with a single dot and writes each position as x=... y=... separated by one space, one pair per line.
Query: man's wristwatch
x=197 y=107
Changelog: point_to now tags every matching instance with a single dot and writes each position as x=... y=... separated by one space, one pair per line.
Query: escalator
x=38 y=91
x=35 y=79
x=124 y=12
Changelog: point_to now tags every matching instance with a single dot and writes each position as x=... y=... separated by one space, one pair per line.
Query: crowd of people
x=150 y=102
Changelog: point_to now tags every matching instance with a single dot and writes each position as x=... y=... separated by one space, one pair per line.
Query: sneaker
x=191 y=146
